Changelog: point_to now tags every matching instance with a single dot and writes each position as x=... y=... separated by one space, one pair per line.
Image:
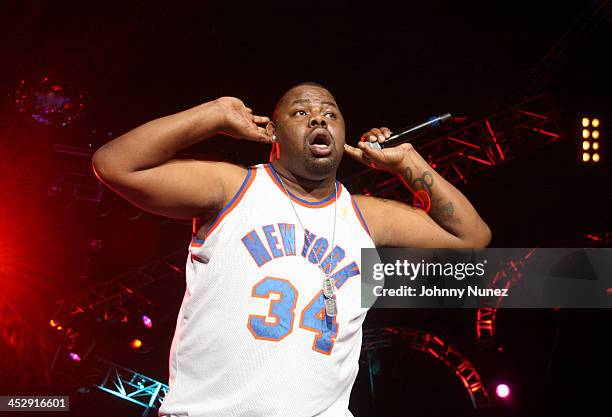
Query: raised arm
x=445 y=217
x=139 y=166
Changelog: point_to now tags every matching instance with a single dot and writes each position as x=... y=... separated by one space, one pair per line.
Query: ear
x=271 y=128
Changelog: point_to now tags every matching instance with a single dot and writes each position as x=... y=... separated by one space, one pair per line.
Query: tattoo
x=408 y=175
x=424 y=182
x=444 y=213
x=421 y=188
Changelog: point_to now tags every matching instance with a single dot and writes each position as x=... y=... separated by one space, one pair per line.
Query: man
x=270 y=324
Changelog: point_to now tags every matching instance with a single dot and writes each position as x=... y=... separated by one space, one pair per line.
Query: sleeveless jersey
x=252 y=337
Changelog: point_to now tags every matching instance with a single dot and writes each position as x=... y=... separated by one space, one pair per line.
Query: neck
x=306 y=188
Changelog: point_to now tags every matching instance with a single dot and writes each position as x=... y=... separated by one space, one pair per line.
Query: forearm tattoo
x=425 y=182
x=444 y=213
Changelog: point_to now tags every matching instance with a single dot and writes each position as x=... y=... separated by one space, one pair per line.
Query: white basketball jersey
x=252 y=337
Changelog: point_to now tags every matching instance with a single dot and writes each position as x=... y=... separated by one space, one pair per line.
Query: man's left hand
x=393 y=159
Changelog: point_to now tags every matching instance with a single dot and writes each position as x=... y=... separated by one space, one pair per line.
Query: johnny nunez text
x=406 y=291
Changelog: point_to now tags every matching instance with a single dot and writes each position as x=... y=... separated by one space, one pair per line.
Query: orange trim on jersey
x=310 y=204
x=360 y=216
x=195 y=242
x=270 y=314
x=250 y=177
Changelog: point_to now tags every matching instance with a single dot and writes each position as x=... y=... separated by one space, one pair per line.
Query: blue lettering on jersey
x=287 y=232
x=257 y=250
x=333 y=259
x=308 y=239
x=314 y=249
x=318 y=249
x=345 y=273
x=272 y=240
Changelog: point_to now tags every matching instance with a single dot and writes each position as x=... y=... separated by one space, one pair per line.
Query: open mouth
x=320 y=142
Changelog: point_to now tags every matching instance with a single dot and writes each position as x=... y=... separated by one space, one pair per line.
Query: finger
x=379 y=135
x=250 y=110
x=371 y=153
x=368 y=136
x=386 y=132
x=262 y=135
x=261 y=119
x=354 y=153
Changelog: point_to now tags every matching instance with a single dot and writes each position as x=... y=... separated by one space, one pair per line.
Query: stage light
x=595 y=157
x=502 y=390
x=147 y=322
x=595 y=122
x=586 y=133
x=595 y=146
x=586 y=157
x=585 y=122
x=595 y=134
x=136 y=344
x=586 y=145
x=74 y=356
x=52 y=323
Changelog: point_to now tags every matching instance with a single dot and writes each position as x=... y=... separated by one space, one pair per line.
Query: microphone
x=409 y=133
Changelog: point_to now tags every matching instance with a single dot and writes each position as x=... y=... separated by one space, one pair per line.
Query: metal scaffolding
x=482 y=145
x=111 y=378
x=107 y=301
x=375 y=339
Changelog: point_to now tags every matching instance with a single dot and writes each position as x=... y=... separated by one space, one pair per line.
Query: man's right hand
x=239 y=121
x=139 y=166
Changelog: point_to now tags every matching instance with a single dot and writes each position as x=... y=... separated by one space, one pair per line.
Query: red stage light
x=502 y=390
x=136 y=343
x=74 y=356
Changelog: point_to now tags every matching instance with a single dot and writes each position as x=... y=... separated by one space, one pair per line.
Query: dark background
x=387 y=65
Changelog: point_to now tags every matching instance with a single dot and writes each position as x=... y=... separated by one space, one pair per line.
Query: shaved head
x=305 y=83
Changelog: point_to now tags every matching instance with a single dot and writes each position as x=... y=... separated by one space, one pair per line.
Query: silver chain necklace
x=328 y=286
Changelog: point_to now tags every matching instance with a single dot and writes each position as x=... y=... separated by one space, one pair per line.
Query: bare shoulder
x=228 y=175
x=394 y=223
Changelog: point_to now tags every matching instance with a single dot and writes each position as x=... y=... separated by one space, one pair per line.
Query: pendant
x=329 y=286
x=330 y=307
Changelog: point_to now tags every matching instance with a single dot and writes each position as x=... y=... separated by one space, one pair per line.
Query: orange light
x=595 y=122
x=585 y=157
x=595 y=146
x=586 y=133
x=52 y=323
x=136 y=343
x=595 y=157
x=59 y=327
x=586 y=145
x=596 y=134
x=585 y=122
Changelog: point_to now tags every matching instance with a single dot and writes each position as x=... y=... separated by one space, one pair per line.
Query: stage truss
x=374 y=339
x=114 y=379
x=482 y=145
x=107 y=302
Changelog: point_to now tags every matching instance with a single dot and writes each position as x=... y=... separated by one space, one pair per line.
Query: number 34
x=313 y=317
